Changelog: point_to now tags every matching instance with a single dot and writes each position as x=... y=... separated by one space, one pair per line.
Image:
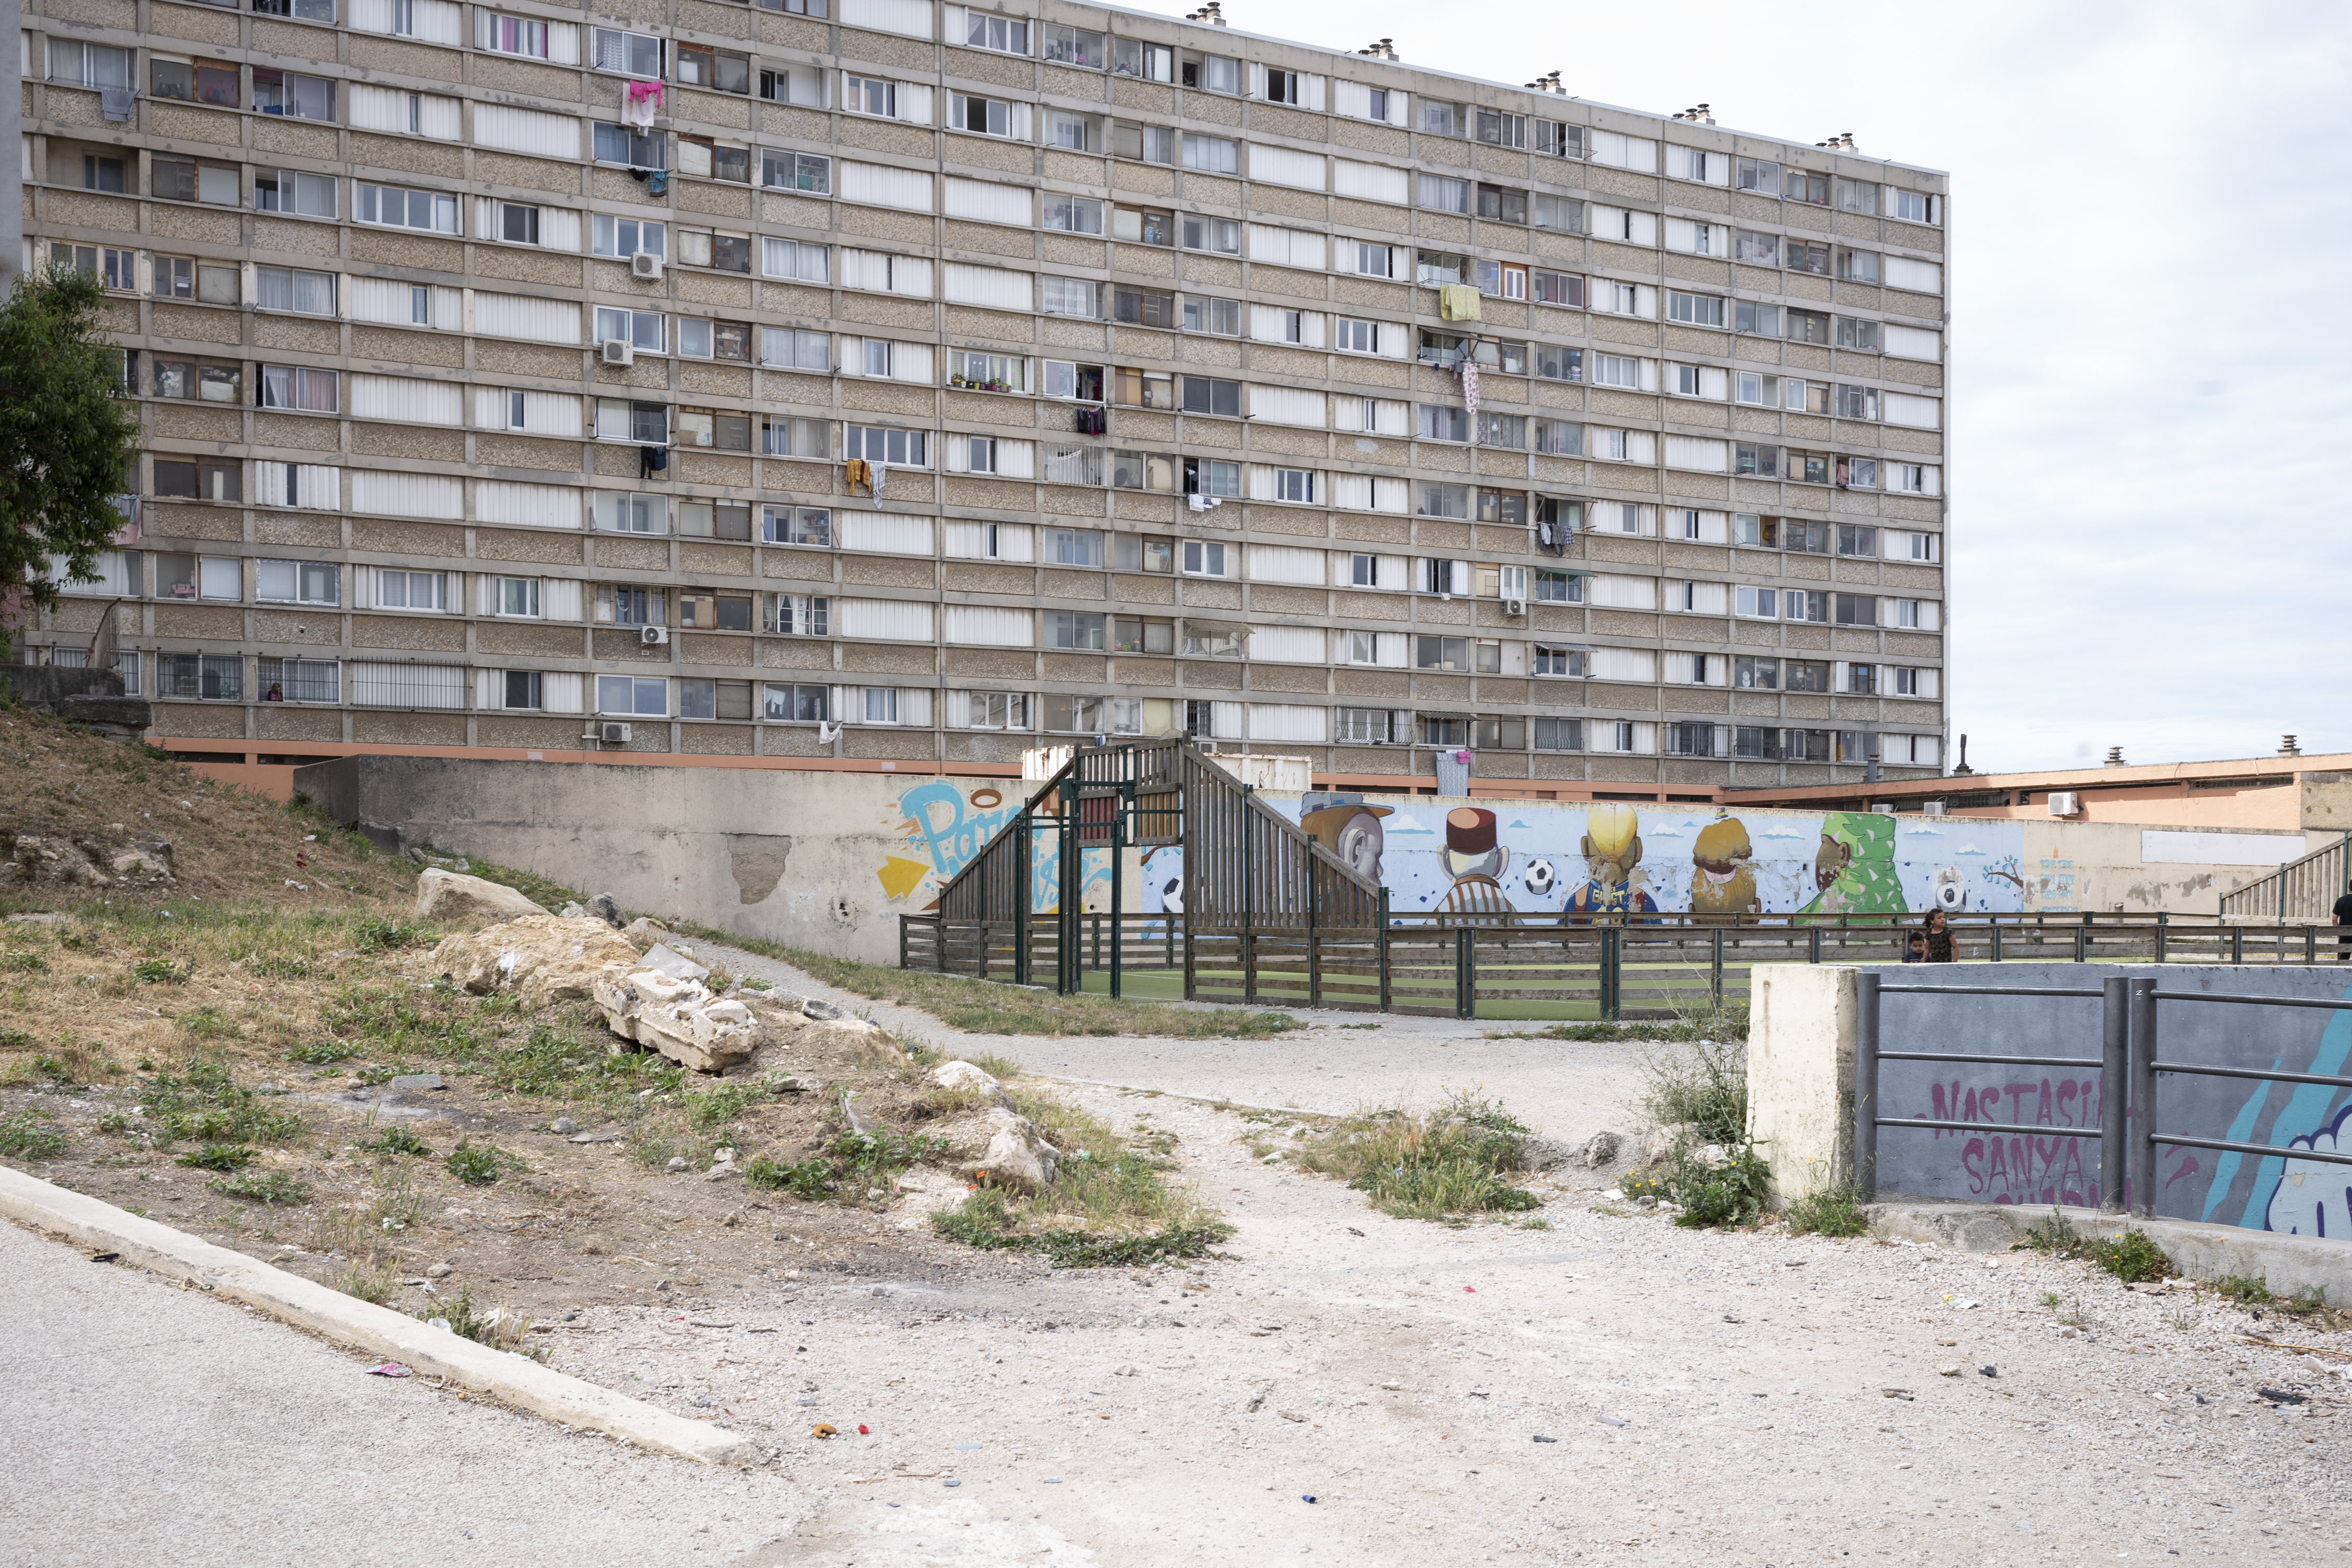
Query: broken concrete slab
x=450 y=898
x=672 y=962
x=541 y=958
x=680 y=1018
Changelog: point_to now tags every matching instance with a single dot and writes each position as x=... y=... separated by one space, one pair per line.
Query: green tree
x=68 y=435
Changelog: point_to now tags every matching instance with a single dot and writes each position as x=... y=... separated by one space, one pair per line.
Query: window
x=621 y=144
x=699 y=339
x=1508 y=431
x=1141 y=553
x=983 y=116
x=880 y=443
x=723 y=71
x=301 y=680
x=1913 y=206
x=96 y=66
x=1796 y=185
x=433 y=210
x=1081 y=630
x=1217 y=236
x=296 y=582
x=286 y=191
x=1002 y=35
x=1499 y=205
x=171 y=179
x=1858 y=197
x=1562 y=214
x=1857 y=266
x=114 y=269
x=292 y=289
x=702 y=158
x=1442 y=501
x=1205 y=558
x=796 y=525
x=1211 y=154
x=1146 y=388
x=1079 y=382
x=1441 y=422
x=638 y=55
x=1073 y=547
x=1808 y=326
x=795 y=172
x=297 y=97
x=1563 y=289
x=639 y=329
x=1440 y=193
x=1212 y=476
x=1857 y=403
x=627 y=237
x=797 y=615
x=1071 y=132
x=714 y=612
x=1693 y=310
x=714 y=249
x=614 y=512
x=1144 y=226
x=645 y=696
x=186 y=81
x=297 y=387
x=722 y=430
x=1213 y=73
x=1372 y=727
x=1553 y=659
x=1143 y=307
x=1204 y=395
x=213 y=677
x=1497 y=129
x=1068 y=297
x=1073 y=47
x=1143 y=143
x=1073 y=214
x=797 y=260
x=796 y=704
x=1149 y=62
x=865 y=95
x=513 y=36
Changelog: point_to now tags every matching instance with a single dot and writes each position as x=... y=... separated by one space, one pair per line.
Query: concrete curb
x=348 y=1321
x=2286 y=1264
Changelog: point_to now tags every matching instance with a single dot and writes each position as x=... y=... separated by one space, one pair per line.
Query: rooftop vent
x=1840 y=142
x=1210 y=12
x=2116 y=757
x=1548 y=82
x=2288 y=748
x=1385 y=49
x=1697 y=114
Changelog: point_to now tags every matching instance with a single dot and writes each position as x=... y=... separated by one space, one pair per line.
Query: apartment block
x=880 y=382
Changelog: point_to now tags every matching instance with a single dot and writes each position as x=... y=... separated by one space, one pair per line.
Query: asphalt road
x=142 y=1423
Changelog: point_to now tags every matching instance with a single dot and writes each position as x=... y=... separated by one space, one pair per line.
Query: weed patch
x=370 y=1281
x=987 y=1221
x=29 y=1136
x=497 y=1327
x=478 y=1165
x=204 y=1103
x=161 y=972
x=1452 y=1162
x=375 y=935
x=265 y=1187
x=1835 y=1210
x=397 y=1141
x=218 y=1157
x=2132 y=1258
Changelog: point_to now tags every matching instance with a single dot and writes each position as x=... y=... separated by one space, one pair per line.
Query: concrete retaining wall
x=823 y=860
x=1802 y=1088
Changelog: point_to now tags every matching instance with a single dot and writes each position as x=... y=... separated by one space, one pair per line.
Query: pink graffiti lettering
x=2013 y=1168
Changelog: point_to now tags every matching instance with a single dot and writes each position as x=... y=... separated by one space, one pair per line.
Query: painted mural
x=943 y=824
x=1613 y=857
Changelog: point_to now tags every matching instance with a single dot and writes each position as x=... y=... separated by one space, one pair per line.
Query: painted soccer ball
x=1951 y=893
x=1172 y=896
x=1540 y=877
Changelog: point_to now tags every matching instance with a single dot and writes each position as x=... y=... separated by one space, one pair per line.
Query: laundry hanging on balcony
x=1457 y=302
x=639 y=103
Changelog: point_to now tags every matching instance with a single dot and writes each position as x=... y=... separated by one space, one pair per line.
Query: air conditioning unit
x=1936 y=807
x=1515 y=607
x=646 y=265
x=2065 y=803
x=617 y=350
x=613 y=734
x=652 y=637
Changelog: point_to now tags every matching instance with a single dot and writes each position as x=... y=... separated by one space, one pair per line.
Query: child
x=1917 y=952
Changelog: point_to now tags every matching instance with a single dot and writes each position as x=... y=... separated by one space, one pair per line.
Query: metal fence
x=2130 y=1128
x=1249 y=949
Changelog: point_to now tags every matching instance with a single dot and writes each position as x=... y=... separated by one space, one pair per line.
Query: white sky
x=2148 y=383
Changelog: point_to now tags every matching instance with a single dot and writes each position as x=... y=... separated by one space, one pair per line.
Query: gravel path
x=1563 y=1088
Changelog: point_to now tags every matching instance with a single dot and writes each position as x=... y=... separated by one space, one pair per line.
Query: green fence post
x=1613 y=975
x=1381 y=950
x=1718 y=976
x=2163 y=933
x=1813 y=944
x=1466 y=980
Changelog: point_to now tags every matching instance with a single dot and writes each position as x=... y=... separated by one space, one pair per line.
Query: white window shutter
x=560 y=598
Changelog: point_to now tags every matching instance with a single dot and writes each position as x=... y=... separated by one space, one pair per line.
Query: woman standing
x=1939 y=939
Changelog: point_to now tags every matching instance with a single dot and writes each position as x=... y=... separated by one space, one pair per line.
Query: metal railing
x=2304 y=889
x=2129 y=1130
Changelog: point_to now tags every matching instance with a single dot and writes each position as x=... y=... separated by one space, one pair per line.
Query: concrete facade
x=1073 y=274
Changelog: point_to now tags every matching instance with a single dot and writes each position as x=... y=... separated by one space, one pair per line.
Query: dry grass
x=1450 y=1162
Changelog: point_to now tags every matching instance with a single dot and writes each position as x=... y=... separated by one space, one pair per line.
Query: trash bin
x=1454 y=772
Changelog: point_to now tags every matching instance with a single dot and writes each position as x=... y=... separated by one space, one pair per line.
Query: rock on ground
x=30 y=860
x=447 y=897
x=541 y=958
x=680 y=1018
x=963 y=1075
x=1001 y=1148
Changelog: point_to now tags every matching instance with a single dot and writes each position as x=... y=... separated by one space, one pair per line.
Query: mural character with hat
x=1723 y=884
x=1476 y=861
x=1348 y=827
x=1855 y=867
x=1612 y=857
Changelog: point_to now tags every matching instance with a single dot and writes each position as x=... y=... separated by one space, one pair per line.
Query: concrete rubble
x=450 y=898
x=32 y=860
x=680 y=1018
x=541 y=958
